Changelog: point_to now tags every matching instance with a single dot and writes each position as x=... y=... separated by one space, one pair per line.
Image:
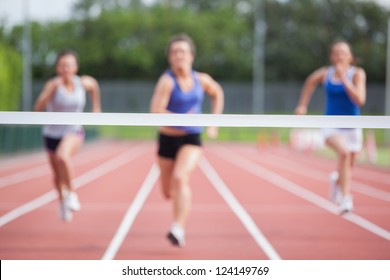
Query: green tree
x=300 y=32
x=10 y=78
x=125 y=39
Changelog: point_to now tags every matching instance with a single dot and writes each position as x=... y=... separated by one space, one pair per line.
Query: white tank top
x=65 y=101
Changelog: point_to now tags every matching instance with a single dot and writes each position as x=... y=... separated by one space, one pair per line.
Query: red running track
x=247 y=204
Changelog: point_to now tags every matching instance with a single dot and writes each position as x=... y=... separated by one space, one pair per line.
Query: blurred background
x=260 y=52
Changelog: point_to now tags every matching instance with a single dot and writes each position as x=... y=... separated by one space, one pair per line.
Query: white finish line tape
x=222 y=120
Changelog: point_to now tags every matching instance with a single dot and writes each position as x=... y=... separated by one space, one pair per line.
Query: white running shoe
x=177 y=235
x=64 y=212
x=73 y=201
x=346 y=204
x=334 y=192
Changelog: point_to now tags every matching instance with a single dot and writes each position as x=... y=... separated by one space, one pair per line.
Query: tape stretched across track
x=222 y=120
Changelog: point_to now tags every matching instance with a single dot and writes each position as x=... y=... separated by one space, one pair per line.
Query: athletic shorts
x=51 y=143
x=170 y=145
x=353 y=137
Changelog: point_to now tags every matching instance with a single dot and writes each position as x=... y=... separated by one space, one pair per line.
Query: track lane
x=296 y=228
x=213 y=231
x=302 y=223
x=378 y=176
x=371 y=202
x=27 y=190
x=82 y=238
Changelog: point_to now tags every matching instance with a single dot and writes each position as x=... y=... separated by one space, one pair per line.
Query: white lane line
x=39 y=157
x=360 y=172
x=28 y=207
x=131 y=214
x=239 y=210
x=301 y=192
x=13 y=161
x=44 y=169
x=308 y=171
x=24 y=175
x=371 y=191
x=78 y=182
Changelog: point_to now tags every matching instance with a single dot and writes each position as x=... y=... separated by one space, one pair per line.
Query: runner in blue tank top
x=66 y=93
x=345 y=88
x=181 y=90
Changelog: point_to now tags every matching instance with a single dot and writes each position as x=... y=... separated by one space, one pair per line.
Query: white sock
x=177 y=230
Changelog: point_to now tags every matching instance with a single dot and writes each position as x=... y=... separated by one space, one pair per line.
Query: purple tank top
x=189 y=102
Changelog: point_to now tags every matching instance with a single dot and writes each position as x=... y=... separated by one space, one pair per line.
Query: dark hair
x=181 y=37
x=66 y=52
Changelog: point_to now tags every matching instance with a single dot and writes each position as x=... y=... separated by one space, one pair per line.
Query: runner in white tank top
x=65 y=101
x=66 y=93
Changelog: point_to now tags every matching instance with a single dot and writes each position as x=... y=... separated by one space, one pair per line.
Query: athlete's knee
x=62 y=158
x=180 y=180
x=344 y=155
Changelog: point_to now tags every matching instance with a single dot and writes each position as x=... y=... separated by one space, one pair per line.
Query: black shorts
x=51 y=144
x=170 y=145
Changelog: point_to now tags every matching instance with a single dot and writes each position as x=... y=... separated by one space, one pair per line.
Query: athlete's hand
x=341 y=71
x=212 y=132
x=301 y=110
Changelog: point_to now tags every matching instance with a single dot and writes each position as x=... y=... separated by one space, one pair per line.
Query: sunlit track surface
x=247 y=204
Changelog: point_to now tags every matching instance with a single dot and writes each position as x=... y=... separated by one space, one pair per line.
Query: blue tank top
x=190 y=102
x=337 y=99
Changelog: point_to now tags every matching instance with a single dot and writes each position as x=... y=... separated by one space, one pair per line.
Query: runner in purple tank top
x=181 y=90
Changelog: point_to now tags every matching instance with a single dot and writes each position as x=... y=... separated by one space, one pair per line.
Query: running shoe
x=346 y=204
x=335 y=192
x=176 y=236
x=73 y=201
x=65 y=213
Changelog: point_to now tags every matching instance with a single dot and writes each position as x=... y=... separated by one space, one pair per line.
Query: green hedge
x=25 y=138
